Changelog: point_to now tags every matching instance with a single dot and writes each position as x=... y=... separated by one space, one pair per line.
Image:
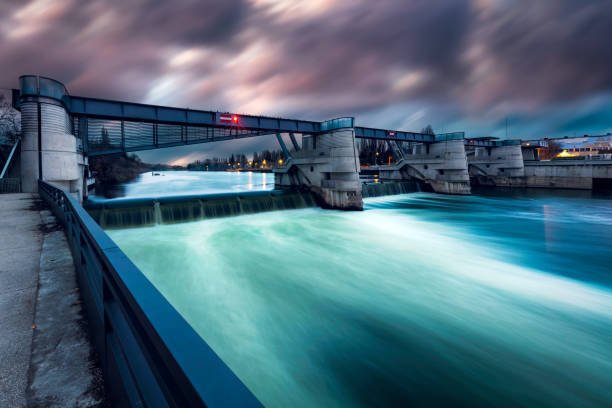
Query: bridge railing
x=150 y=355
x=34 y=85
x=338 y=123
x=444 y=137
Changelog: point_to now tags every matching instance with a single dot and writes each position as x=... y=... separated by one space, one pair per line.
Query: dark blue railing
x=338 y=123
x=151 y=357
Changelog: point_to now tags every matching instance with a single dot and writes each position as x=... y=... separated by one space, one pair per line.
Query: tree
x=428 y=130
x=10 y=122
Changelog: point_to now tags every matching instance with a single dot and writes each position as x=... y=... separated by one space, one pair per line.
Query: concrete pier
x=327 y=165
x=49 y=149
x=46 y=356
x=441 y=165
x=496 y=165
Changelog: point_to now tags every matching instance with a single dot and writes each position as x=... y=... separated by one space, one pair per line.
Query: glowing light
x=235 y=118
x=565 y=153
x=280 y=161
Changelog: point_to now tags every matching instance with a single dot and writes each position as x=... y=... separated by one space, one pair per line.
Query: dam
x=432 y=289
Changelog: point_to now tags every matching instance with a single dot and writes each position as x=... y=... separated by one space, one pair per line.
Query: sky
x=544 y=67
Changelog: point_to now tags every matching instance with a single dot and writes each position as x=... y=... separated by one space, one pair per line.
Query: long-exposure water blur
x=502 y=298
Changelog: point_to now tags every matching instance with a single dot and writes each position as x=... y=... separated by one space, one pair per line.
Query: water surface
x=497 y=299
x=173 y=183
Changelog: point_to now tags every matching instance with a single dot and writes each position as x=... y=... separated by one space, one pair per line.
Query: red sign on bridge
x=228 y=118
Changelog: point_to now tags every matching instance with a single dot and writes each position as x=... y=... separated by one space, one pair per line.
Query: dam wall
x=139 y=212
x=574 y=174
x=390 y=188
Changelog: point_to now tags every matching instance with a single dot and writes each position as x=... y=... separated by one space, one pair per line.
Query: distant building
x=584 y=146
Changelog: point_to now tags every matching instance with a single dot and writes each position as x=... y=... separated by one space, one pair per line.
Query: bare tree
x=10 y=121
x=428 y=130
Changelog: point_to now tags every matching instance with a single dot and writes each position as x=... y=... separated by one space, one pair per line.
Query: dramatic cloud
x=460 y=65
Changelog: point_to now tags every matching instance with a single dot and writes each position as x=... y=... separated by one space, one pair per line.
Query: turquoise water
x=173 y=183
x=497 y=299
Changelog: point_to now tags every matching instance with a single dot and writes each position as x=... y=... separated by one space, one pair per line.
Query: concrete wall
x=575 y=174
x=62 y=163
x=29 y=147
x=328 y=165
x=442 y=165
x=497 y=166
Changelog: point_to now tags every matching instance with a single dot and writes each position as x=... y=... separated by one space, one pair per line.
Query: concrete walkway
x=45 y=356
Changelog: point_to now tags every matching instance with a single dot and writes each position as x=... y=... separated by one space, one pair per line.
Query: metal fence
x=150 y=355
x=10 y=185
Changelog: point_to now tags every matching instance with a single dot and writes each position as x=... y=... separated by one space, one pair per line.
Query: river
x=502 y=298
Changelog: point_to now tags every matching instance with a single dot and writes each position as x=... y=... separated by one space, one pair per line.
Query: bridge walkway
x=45 y=355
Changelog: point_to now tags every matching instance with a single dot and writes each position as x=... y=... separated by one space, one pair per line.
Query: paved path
x=45 y=357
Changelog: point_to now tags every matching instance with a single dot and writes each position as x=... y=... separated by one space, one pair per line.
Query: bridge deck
x=107 y=127
x=44 y=350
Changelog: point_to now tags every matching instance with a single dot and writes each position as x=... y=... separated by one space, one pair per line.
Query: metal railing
x=444 y=137
x=338 y=123
x=10 y=185
x=151 y=357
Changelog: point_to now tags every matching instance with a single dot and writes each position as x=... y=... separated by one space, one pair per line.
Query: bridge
x=109 y=127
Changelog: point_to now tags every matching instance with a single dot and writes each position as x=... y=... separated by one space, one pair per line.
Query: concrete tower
x=49 y=149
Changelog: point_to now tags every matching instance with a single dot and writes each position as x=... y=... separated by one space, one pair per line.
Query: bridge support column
x=441 y=165
x=49 y=149
x=328 y=165
x=296 y=147
x=497 y=165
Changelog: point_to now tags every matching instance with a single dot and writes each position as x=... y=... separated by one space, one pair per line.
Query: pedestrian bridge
x=108 y=127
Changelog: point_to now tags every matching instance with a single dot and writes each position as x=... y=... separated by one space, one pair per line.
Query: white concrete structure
x=328 y=165
x=49 y=149
x=497 y=165
x=441 y=165
x=574 y=174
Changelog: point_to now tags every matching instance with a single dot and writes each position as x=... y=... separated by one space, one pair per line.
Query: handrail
x=151 y=357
